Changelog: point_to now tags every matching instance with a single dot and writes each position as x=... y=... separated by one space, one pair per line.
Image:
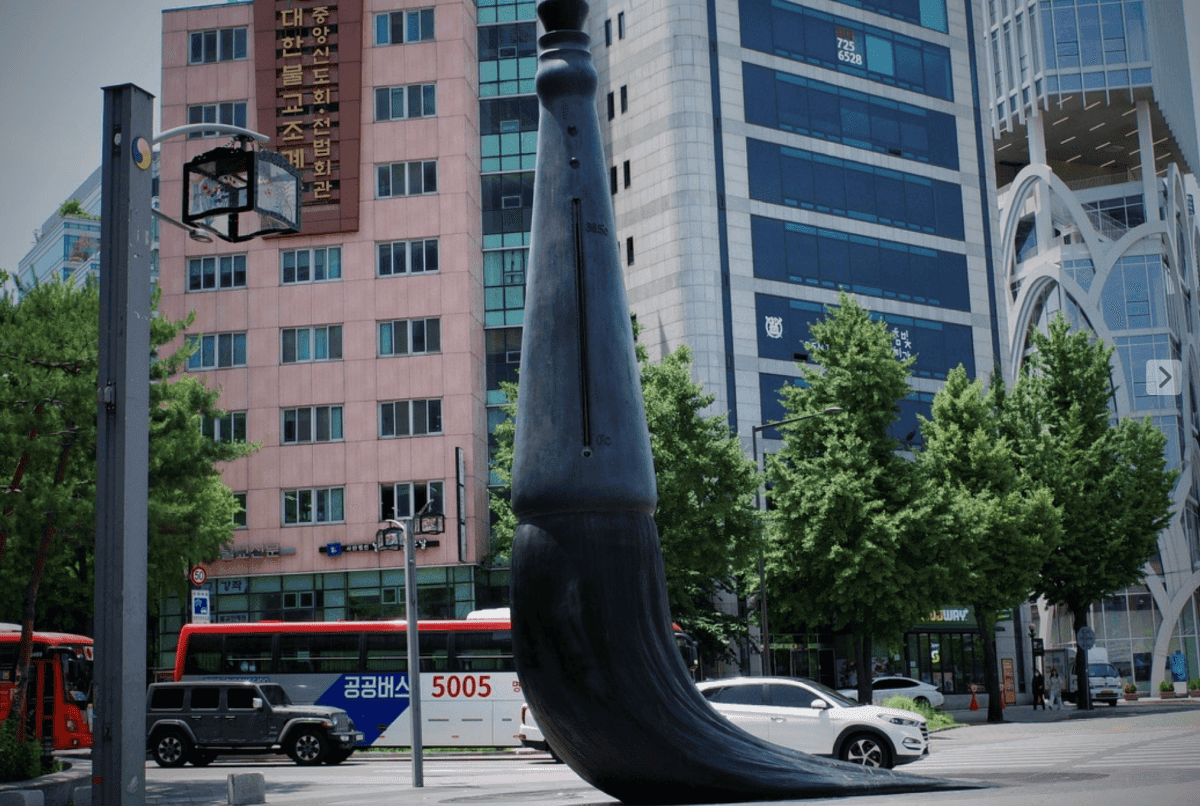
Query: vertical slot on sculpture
x=581 y=308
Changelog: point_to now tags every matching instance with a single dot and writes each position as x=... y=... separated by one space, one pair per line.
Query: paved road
x=1123 y=756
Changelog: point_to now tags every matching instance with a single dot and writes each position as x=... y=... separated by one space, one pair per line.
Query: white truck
x=1105 y=684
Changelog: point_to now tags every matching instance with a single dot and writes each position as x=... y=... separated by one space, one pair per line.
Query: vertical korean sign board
x=308 y=75
x=123 y=449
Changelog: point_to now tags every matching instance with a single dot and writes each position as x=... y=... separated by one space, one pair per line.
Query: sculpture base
x=598 y=665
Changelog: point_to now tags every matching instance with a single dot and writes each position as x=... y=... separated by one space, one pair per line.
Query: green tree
x=848 y=546
x=1001 y=525
x=1109 y=480
x=48 y=377
x=706 y=519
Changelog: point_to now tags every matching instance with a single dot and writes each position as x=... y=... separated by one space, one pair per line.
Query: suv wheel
x=171 y=748
x=307 y=747
x=866 y=749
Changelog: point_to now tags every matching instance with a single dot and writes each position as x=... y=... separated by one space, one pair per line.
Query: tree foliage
x=1109 y=480
x=1001 y=525
x=49 y=345
x=848 y=547
x=706 y=519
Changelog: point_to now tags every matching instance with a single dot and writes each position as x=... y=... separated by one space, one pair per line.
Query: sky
x=55 y=58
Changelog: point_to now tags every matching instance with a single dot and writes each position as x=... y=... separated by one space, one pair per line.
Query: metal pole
x=122 y=449
x=414 y=657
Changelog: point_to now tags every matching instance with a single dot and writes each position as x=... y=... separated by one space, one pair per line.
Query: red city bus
x=470 y=695
x=58 y=696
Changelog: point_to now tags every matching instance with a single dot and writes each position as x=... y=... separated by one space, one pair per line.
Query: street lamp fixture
x=762 y=567
x=239 y=193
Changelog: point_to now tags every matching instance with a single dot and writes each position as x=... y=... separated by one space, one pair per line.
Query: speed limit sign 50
x=198 y=575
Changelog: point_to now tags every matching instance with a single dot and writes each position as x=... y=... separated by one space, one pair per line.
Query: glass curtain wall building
x=1093 y=118
x=766 y=154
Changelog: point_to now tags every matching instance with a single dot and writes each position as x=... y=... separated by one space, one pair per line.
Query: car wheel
x=202 y=758
x=307 y=747
x=867 y=750
x=338 y=755
x=171 y=748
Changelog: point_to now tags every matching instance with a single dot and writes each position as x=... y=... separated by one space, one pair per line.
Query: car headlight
x=899 y=720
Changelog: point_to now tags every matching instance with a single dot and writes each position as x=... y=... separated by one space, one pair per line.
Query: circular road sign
x=1086 y=637
x=198 y=575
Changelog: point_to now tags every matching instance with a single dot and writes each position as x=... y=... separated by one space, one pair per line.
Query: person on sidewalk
x=1039 y=690
x=1056 y=685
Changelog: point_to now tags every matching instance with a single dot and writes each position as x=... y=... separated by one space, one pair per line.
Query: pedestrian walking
x=1056 y=685
x=1039 y=690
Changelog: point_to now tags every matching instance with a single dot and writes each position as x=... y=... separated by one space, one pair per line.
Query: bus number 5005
x=464 y=686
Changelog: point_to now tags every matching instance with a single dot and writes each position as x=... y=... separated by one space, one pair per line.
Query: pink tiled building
x=354 y=353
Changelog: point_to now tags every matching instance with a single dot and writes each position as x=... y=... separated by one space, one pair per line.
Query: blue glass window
x=785 y=29
x=784 y=328
x=811 y=181
x=814 y=108
x=797 y=253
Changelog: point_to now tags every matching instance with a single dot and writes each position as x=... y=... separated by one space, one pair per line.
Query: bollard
x=246 y=788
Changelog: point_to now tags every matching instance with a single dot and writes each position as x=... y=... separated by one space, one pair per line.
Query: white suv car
x=804 y=715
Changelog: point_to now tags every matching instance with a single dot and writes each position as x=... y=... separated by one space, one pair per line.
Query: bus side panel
x=457 y=709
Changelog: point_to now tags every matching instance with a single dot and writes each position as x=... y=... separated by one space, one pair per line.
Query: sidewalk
x=1026 y=713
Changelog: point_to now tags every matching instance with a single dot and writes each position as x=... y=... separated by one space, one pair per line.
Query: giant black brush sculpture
x=591 y=629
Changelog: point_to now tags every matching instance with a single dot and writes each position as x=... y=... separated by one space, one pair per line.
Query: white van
x=1105 y=684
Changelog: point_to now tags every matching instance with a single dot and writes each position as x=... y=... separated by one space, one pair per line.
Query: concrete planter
x=73 y=784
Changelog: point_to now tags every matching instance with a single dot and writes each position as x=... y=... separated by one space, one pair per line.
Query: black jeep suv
x=196 y=721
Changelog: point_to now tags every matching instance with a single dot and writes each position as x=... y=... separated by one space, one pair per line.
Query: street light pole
x=762 y=567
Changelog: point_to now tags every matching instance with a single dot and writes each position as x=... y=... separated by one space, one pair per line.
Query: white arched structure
x=1169 y=233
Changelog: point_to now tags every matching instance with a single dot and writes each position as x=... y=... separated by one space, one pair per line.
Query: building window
x=218 y=272
x=302 y=344
x=312 y=424
x=629 y=251
x=612 y=106
x=612 y=179
x=872 y=122
x=608 y=33
x=400 y=103
x=405 y=179
x=217 y=351
x=407 y=257
x=508 y=133
x=410 y=418
x=239 y=514
x=223 y=45
x=398 y=27
x=507 y=206
x=231 y=113
x=504 y=287
x=325 y=505
x=624 y=98
x=229 y=427
x=507 y=59
x=410 y=337
x=620 y=25
x=406 y=499
x=311 y=265
x=628 y=175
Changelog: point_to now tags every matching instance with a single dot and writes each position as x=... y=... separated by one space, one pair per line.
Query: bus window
x=203 y=654
x=484 y=652
x=315 y=652
x=250 y=652
x=386 y=652
x=435 y=651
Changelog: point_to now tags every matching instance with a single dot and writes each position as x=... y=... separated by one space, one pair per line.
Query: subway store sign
x=949 y=617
